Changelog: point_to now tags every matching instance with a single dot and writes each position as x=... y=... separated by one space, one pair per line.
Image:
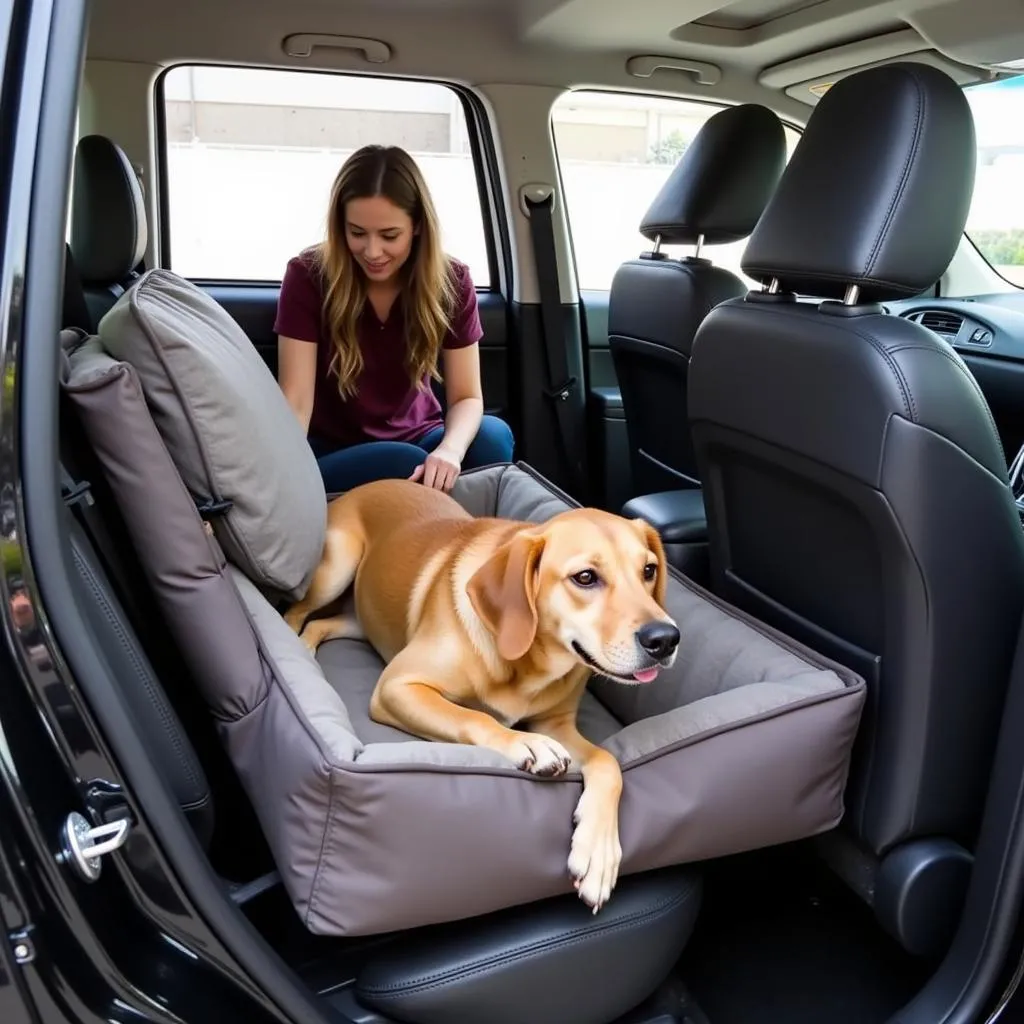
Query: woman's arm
x=464 y=397
x=297 y=326
x=296 y=373
x=465 y=400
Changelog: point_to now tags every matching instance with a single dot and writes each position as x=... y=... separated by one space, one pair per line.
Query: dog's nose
x=658 y=639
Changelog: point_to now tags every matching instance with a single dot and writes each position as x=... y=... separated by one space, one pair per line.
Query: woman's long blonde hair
x=428 y=290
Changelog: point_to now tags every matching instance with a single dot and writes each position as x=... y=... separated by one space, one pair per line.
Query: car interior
x=750 y=272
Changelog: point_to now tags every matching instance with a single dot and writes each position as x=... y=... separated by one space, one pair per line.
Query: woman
x=361 y=321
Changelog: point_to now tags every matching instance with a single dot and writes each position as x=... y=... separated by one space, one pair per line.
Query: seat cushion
x=225 y=419
x=538 y=962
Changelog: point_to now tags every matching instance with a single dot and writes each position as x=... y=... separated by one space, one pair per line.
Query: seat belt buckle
x=79 y=493
x=561 y=393
x=213 y=508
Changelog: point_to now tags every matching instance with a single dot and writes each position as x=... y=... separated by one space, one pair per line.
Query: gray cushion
x=227 y=423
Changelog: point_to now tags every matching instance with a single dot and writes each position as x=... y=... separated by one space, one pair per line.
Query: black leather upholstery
x=109 y=230
x=548 y=961
x=723 y=180
x=716 y=192
x=855 y=486
x=678 y=516
x=888 y=214
x=157 y=720
x=654 y=310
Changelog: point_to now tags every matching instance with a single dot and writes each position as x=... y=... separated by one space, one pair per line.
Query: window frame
x=718 y=105
x=481 y=148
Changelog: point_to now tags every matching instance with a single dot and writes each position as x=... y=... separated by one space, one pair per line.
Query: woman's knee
x=363 y=463
x=493 y=443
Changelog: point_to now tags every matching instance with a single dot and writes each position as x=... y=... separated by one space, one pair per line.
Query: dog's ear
x=653 y=541
x=503 y=593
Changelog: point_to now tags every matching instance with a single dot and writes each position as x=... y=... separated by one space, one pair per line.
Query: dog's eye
x=584 y=578
x=650 y=571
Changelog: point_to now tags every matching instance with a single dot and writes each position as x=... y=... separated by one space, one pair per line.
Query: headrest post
x=657 y=245
x=700 y=242
x=852 y=295
x=772 y=287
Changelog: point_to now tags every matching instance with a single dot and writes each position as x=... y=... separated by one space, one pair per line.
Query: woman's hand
x=441 y=468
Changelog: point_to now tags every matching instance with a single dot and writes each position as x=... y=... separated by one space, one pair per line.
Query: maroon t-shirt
x=386 y=406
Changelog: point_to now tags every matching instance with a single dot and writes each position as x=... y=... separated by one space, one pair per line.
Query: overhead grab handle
x=703 y=74
x=302 y=44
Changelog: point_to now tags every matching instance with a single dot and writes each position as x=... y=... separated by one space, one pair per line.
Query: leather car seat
x=855 y=486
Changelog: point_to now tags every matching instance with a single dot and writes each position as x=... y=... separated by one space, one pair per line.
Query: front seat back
x=109 y=230
x=855 y=486
x=714 y=195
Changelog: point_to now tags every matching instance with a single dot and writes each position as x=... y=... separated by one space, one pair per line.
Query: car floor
x=780 y=940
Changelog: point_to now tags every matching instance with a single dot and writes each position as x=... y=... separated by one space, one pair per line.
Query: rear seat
x=534 y=962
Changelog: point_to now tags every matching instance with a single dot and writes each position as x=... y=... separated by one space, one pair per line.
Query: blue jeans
x=345 y=468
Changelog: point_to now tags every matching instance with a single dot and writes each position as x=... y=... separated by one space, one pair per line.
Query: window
x=996 y=221
x=251 y=155
x=615 y=151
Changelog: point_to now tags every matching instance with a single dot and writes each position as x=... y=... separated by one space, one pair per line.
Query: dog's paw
x=539 y=755
x=594 y=854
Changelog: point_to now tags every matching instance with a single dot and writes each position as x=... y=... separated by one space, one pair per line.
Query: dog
x=488 y=623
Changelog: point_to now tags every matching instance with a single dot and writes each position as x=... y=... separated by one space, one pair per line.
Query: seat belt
x=560 y=383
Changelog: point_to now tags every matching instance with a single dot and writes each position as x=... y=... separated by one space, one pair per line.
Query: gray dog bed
x=744 y=743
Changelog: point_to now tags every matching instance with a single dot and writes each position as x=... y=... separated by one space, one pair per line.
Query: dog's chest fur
x=525 y=697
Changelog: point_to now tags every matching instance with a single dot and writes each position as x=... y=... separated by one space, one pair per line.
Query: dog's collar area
x=592 y=662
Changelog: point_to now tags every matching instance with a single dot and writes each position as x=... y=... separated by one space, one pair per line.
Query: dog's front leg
x=595 y=852
x=406 y=697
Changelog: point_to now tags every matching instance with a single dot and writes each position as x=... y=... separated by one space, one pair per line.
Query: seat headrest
x=723 y=180
x=109 y=233
x=877 y=191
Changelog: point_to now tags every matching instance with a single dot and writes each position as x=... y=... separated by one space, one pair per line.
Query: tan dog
x=490 y=623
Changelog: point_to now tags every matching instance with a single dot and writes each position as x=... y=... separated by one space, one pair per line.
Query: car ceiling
x=771 y=51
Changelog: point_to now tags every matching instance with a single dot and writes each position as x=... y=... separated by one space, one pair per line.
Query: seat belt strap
x=561 y=383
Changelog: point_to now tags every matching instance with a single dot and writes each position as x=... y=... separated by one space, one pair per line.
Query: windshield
x=996 y=221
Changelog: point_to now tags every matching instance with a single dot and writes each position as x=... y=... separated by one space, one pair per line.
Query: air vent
x=941 y=322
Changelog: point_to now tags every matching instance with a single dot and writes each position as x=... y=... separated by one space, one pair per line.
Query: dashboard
x=990 y=325
x=988 y=333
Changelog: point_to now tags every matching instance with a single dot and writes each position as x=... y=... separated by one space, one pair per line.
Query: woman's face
x=379 y=236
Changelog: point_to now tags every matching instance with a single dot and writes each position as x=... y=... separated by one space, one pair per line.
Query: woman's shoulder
x=304 y=274
x=461 y=279
x=307 y=263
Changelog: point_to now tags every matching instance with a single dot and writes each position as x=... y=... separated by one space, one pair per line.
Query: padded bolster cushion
x=223 y=416
x=745 y=742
